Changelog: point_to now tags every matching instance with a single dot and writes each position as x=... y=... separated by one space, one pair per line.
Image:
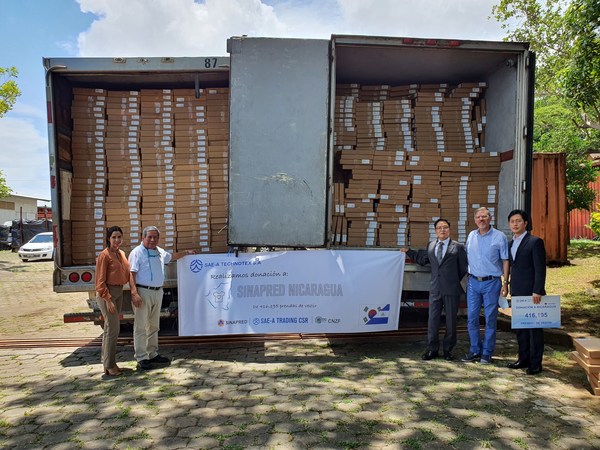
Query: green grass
x=578 y=284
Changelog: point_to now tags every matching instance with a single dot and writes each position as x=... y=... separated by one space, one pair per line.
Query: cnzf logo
x=196 y=266
x=320 y=319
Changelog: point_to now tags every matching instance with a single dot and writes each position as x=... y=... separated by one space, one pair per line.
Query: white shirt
x=149 y=265
x=515 y=245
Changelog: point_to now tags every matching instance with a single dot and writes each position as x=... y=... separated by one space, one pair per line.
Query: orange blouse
x=111 y=269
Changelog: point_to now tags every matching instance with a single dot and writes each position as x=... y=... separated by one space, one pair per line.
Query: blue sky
x=32 y=29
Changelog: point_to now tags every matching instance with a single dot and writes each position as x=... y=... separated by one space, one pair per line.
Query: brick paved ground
x=293 y=395
x=310 y=394
x=30 y=308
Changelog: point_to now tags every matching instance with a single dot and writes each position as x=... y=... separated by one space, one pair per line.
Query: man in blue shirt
x=487 y=253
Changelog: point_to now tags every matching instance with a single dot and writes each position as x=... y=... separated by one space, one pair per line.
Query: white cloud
x=189 y=28
x=26 y=110
x=460 y=19
x=172 y=27
x=24 y=157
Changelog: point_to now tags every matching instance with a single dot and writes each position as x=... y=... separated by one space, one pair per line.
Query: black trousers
x=531 y=346
x=449 y=303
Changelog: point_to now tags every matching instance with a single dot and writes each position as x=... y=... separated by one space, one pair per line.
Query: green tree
x=9 y=91
x=556 y=130
x=5 y=191
x=564 y=35
x=580 y=77
x=595 y=221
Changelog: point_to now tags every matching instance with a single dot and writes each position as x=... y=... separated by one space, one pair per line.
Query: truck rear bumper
x=98 y=319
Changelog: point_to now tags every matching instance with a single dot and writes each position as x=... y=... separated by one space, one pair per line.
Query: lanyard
x=150 y=255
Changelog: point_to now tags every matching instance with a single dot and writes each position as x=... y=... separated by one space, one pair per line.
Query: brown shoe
x=113 y=372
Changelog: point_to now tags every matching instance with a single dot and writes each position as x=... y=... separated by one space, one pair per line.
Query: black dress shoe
x=448 y=356
x=429 y=355
x=533 y=370
x=160 y=360
x=144 y=364
x=518 y=364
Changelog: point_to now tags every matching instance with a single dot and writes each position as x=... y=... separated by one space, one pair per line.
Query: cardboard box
x=586 y=364
x=588 y=348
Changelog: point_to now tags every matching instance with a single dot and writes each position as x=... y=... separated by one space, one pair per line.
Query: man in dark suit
x=527 y=257
x=448 y=260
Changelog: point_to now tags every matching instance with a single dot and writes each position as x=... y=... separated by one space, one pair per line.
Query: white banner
x=526 y=314
x=319 y=291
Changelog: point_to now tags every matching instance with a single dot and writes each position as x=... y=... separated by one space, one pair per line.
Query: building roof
x=29 y=196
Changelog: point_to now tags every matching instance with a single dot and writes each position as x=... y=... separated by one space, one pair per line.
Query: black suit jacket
x=445 y=276
x=528 y=269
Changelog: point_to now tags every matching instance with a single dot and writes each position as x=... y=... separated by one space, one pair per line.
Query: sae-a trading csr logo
x=196 y=266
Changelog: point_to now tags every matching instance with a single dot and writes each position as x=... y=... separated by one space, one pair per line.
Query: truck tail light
x=430 y=42
x=86 y=276
x=73 y=277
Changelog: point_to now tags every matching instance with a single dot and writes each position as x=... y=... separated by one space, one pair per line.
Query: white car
x=41 y=246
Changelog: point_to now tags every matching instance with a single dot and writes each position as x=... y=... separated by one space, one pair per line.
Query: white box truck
x=287 y=154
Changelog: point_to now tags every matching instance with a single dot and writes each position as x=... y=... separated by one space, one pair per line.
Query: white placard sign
x=319 y=291
x=526 y=314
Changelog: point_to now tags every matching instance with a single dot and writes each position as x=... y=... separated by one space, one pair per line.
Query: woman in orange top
x=112 y=272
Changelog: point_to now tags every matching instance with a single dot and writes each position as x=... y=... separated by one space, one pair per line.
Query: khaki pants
x=146 y=324
x=112 y=326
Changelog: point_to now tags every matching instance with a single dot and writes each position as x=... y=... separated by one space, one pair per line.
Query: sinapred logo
x=196 y=265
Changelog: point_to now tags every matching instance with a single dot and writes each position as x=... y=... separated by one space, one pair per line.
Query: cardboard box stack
x=149 y=157
x=394 y=186
x=157 y=154
x=587 y=355
x=339 y=226
x=191 y=170
x=363 y=185
x=411 y=154
x=87 y=213
x=344 y=140
x=124 y=189
x=217 y=102
x=465 y=119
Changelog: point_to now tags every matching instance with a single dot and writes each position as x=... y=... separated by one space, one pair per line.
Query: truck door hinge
x=525 y=131
x=523 y=186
